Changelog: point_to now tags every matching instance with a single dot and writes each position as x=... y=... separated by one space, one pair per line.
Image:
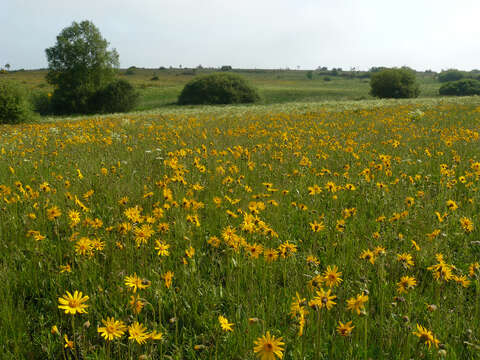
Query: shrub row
x=464 y=87
x=117 y=96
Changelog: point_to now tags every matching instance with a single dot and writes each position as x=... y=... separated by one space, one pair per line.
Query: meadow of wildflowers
x=311 y=232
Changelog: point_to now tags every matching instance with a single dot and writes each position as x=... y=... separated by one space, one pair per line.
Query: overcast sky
x=422 y=34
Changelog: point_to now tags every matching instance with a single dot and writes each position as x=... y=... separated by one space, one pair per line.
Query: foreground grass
x=87 y=203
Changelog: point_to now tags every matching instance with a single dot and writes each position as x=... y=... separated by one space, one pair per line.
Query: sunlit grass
x=306 y=221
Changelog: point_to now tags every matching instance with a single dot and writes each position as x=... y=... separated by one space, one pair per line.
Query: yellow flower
x=331 y=276
x=112 y=329
x=190 y=252
x=73 y=304
x=136 y=283
x=167 y=277
x=357 y=303
x=138 y=333
x=473 y=269
x=452 y=205
x=317 y=226
x=74 y=217
x=467 y=224
x=65 y=268
x=368 y=255
x=312 y=260
x=136 y=303
x=254 y=250
x=162 y=248
x=68 y=343
x=268 y=347
x=53 y=213
x=406 y=260
x=406 y=283
x=345 y=329
x=224 y=324
x=426 y=336
x=340 y=225
x=54 y=330
x=323 y=299
x=270 y=255
x=154 y=335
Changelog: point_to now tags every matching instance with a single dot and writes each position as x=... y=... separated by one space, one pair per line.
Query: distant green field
x=275 y=86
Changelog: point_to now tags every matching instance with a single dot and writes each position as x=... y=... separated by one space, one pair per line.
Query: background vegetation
x=274 y=86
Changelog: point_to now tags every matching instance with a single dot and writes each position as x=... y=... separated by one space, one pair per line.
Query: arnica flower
x=323 y=299
x=467 y=224
x=473 y=269
x=162 y=248
x=368 y=255
x=167 y=277
x=54 y=330
x=331 y=276
x=254 y=250
x=138 y=333
x=73 y=304
x=426 y=336
x=268 y=347
x=317 y=226
x=452 y=205
x=406 y=283
x=136 y=303
x=312 y=260
x=112 y=329
x=68 y=343
x=154 y=335
x=136 y=283
x=345 y=329
x=224 y=324
x=406 y=260
x=357 y=303
x=270 y=255
x=53 y=213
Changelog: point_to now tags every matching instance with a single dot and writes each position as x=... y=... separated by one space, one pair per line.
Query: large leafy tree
x=79 y=65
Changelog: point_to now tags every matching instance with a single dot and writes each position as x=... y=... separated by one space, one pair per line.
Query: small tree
x=394 y=83
x=7 y=66
x=309 y=74
x=79 y=65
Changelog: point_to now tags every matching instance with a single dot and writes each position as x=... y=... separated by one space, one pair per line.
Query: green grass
x=389 y=150
x=275 y=86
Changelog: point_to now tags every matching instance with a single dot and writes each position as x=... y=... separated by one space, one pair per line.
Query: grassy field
x=347 y=229
x=275 y=86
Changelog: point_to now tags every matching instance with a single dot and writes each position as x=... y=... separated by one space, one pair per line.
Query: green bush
x=118 y=96
x=14 y=107
x=42 y=103
x=394 y=83
x=219 y=88
x=463 y=87
x=450 y=75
